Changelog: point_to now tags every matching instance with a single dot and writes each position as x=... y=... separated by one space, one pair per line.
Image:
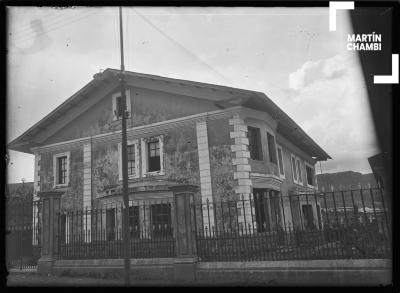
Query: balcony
x=265 y=175
x=264 y=167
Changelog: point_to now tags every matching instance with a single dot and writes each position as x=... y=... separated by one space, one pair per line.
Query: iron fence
x=268 y=226
x=265 y=225
x=22 y=233
x=97 y=232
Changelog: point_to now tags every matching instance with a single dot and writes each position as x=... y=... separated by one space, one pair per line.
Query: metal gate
x=22 y=233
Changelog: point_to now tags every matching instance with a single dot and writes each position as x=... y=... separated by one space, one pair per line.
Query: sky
x=287 y=53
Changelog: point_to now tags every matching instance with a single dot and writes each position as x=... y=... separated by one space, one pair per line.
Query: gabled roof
x=221 y=96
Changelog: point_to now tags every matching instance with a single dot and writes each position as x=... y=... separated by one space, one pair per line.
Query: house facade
x=232 y=143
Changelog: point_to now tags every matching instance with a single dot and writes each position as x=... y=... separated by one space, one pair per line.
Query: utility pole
x=125 y=232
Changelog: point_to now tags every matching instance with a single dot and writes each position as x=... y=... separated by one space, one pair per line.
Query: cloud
x=313 y=71
x=327 y=98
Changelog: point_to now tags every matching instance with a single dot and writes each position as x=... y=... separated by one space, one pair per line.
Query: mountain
x=22 y=190
x=345 y=180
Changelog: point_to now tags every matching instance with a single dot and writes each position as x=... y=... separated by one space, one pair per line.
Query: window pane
x=131 y=152
x=62 y=170
x=118 y=102
x=308 y=216
x=134 y=227
x=271 y=148
x=154 y=164
x=299 y=171
x=280 y=161
x=294 y=169
x=131 y=160
x=161 y=220
x=262 y=209
x=310 y=175
x=154 y=149
x=110 y=224
x=253 y=135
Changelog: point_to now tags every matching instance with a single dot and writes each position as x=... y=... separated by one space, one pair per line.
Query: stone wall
x=180 y=160
x=147 y=107
x=221 y=167
x=73 y=197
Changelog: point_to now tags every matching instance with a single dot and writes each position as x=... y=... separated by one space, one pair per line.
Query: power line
x=181 y=46
x=58 y=27
x=27 y=29
x=48 y=24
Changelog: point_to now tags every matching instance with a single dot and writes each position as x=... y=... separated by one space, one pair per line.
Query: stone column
x=185 y=243
x=242 y=170
x=205 y=176
x=87 y=191
x=51 y=204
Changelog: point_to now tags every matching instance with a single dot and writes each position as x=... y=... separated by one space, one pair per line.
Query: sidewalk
x=18 y=278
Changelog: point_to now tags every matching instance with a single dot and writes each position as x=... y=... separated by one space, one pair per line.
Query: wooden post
x=51 y=204
x=186 y=258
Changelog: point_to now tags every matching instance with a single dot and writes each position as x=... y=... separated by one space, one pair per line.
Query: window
x=61 y=169
x=110 y=224
x=63 y=228
x=118 y=110
x=280 y=161
x=132 y=158
x=271 y=148
x=161 y=220
x=308 y=216
x=117 y=104
x=310 y=175
x=299 y=175
x=254 y=137
x=294 y=171
x=262 y=210
x=152 y=156
x=267 y=209
x=134 y=227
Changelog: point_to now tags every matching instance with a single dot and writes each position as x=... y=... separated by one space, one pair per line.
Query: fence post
x=185 y=243
x=51 y=203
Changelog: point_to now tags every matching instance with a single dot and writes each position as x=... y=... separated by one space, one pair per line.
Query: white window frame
x=297 y=169
x=128 y=103
x=313 y=179
x=145 y=163
x=283 y=164
x=134 y=142
x=55 y=169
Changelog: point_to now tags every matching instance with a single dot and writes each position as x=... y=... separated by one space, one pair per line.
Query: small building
x=232 y=143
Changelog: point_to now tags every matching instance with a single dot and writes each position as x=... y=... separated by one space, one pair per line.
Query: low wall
x=369 y=272
x=141 y=269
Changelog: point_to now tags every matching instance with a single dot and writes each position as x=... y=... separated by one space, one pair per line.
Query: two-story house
x=230 y=142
